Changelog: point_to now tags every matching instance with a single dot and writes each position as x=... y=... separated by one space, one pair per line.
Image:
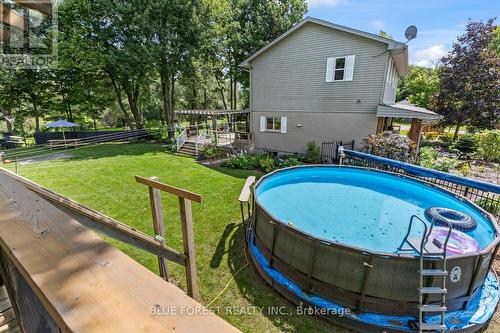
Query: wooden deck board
x=8 y=323
x=85 y=284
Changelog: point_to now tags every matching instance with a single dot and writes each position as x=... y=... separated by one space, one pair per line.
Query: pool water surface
x=361 y=208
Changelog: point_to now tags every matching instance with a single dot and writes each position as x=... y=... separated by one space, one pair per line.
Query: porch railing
x=485 y=195
x=199 y=142
x=181 y=139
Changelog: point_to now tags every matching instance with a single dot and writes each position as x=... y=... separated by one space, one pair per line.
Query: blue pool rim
x=489 y=248
x=289 y=291
x=347 y=322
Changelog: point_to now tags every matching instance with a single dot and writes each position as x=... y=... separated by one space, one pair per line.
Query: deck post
x=189 y=250
x=158 y=226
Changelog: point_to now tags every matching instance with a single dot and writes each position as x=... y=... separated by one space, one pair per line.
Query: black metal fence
x=330 y=150
x=483 y=194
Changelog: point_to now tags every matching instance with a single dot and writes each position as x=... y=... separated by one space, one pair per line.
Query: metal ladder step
x=432 y=327
x=433 y=272
x=432 y=290
x=432 y=308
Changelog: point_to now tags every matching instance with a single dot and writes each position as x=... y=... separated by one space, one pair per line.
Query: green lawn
x=102 y=178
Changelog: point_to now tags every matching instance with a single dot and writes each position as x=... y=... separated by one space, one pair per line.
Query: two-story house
x=321 y=81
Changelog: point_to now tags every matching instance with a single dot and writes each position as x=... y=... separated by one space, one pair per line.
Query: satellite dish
x=411 y=32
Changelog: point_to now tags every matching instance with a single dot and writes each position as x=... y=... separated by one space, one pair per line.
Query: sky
x=439 y=22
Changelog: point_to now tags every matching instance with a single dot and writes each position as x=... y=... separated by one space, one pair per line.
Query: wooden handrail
x=170 y=189
x=100 y=222
x=63 y=276
x=245 y=191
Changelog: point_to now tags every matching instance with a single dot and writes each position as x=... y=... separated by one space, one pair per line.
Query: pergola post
x=415 y=131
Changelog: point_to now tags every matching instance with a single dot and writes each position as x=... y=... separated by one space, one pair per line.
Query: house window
x=339 y=69
x=273 y=124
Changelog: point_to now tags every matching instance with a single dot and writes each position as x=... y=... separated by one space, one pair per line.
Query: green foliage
x=489 y=204
x=288 y=161
x=430 y=158
x=170 y=147
x=385 y=34
x=489 y=145
x=390 y=145
x=241 y=161
x=464 y=169
x=266 y=163
x=466 y=144
x=209 y=151
x=468 y=91
x=418 y=86
x=313 y=153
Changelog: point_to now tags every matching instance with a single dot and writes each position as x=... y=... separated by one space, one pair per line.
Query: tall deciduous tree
x=470 y=80
x=418 y=86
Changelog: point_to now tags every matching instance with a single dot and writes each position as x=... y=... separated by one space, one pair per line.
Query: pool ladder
x=434 y=252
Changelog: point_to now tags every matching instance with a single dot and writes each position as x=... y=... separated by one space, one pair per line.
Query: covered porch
x=386 y=113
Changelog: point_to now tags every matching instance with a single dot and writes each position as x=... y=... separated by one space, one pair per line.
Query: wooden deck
x=8 y=321
x=62 y=276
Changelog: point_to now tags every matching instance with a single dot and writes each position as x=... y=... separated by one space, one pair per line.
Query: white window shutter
x=262 y=124
x=330 y=67
x=283 y=124
x=389 y=70
x=349 y=68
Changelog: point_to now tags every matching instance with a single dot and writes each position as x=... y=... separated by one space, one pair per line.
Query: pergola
x=12 y=19
x=214 y=114
x=419 y=116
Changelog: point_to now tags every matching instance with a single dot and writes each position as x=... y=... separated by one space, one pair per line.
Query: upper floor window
x=339 y=68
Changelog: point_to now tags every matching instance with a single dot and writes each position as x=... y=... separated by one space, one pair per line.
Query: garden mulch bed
x=486 y=172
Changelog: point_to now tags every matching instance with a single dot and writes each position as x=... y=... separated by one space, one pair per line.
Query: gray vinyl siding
x=389 y=91
x=303 y=127
x=290 y=76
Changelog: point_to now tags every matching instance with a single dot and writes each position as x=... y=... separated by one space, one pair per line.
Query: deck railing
x=181 y=139
x=62 y=277
x=485 y=195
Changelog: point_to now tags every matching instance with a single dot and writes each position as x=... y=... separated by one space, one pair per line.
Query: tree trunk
x=231 y=90
x=223 y=98
x=118 y=95
x=35 y=113
x=235 y=93
x=132 y=93
x=457 y=129
x=165 y=91
x=205 y=98
x=193 y=100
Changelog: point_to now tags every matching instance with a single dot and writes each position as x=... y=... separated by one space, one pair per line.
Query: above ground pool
x=334 y=233
x=361 y=208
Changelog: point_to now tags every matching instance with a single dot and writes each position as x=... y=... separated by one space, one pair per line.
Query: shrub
x=489 y=145
x=466 y=144
x=489 y=205
x=241 y=161
x=266 y=163
x=313 y=153
x=288 y=161
x=464 y=169
x=390 y=145
x=209 y=151
x=429 y=158
x=170 y=147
